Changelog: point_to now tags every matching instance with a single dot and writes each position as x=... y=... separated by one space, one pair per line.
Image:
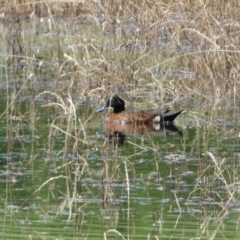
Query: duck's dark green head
x=114 y=102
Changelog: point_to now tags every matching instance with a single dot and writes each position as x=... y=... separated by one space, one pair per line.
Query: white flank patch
x=157 y=119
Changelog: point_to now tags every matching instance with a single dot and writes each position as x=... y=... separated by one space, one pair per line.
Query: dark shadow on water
x=117 y=132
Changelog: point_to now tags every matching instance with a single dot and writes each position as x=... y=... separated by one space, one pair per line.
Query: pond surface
x=61 y=179
x=65 y=176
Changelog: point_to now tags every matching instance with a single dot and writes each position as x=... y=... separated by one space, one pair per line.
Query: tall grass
x=183 y=52
x=65 y=54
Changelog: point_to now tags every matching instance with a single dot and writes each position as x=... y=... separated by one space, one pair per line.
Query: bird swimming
x=120 y=116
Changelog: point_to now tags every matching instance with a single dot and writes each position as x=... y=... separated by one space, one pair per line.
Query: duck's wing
x=157 y=112
x=156 y=116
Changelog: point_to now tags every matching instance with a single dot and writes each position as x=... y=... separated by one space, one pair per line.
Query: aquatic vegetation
x=64 y=175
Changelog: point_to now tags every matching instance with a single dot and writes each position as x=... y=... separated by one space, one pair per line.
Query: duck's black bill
x=100 y=109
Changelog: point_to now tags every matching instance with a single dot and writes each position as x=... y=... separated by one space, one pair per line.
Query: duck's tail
x=170 y=117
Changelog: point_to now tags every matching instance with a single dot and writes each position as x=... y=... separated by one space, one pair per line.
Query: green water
x=174 y=186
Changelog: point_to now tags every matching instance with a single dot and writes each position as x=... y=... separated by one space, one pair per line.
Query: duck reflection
x=117 y=133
